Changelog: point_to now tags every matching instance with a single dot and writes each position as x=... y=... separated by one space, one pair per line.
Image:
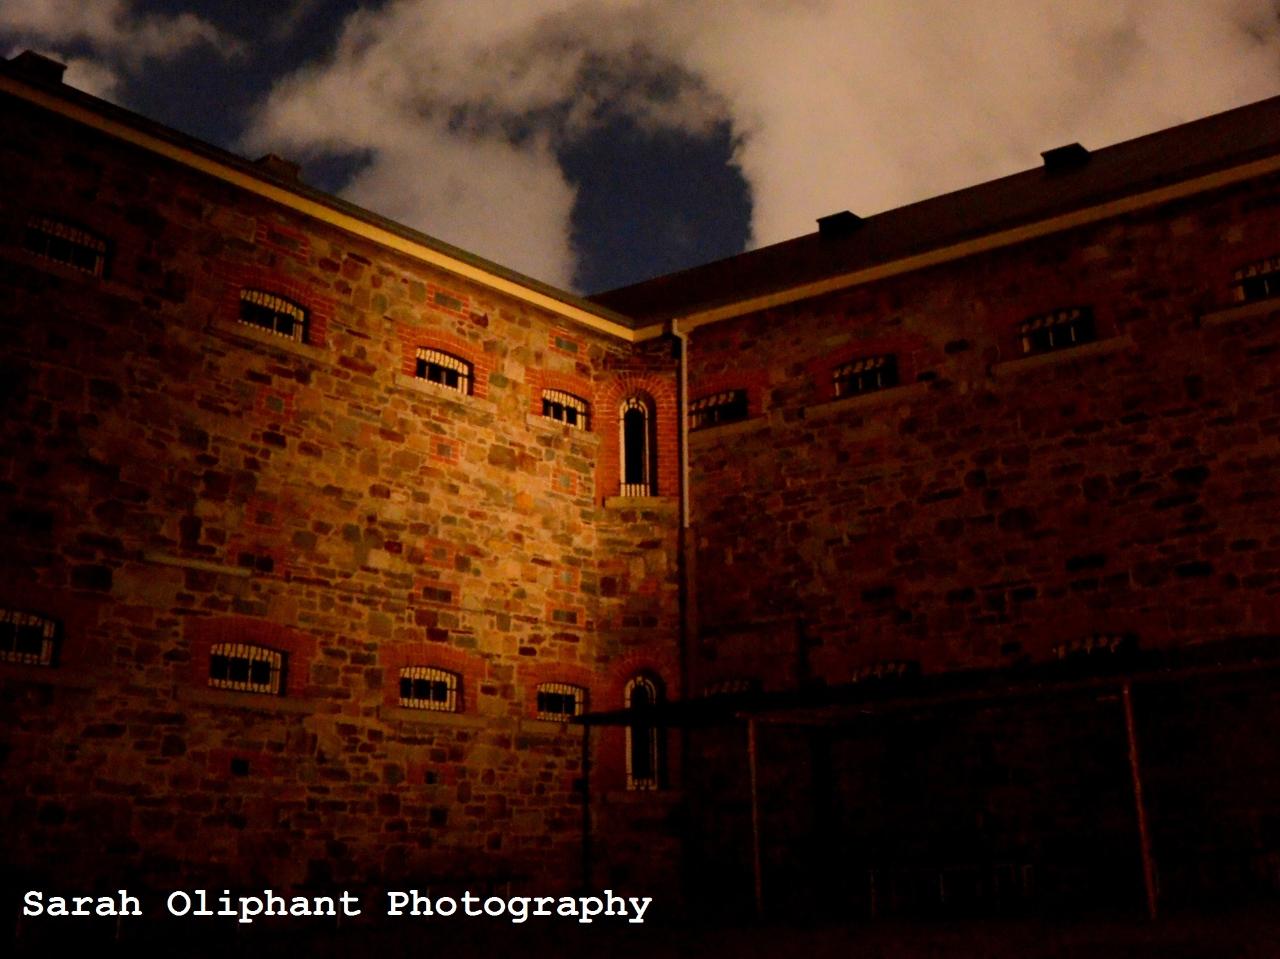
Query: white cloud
x=91 y=76
x=111 y=28
x=834 y=104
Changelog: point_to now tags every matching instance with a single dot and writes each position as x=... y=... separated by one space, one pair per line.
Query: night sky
x=594 y=144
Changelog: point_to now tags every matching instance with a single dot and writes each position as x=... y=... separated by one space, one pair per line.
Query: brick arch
x=299 y=648
x=241 y=276
x=661 y=392
x=540 y=380
x=656 y=663
x=914 y=354
x=611 y=751
x=530 y=675
x=470 y=666
x=413 y=338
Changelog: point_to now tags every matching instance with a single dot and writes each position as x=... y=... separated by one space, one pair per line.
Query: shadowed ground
x=1255 y=933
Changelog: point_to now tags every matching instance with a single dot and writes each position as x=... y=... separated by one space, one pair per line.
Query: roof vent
x=838 y=224
x=1061 y=159
x=36 y=67
x=279 y=167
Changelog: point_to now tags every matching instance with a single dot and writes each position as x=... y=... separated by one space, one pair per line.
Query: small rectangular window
x=559 y=701
x=731 y=687
x=886 y=670
x=725 y=407
x=1099 y=645
x=64 y=243
x=449 y=371
x=426 y=687
x=27 y=638
x=1258 y=281
x=865 y=375
x=246 y=669
x=274 y=314
x=1057 y=330
x=565 y=408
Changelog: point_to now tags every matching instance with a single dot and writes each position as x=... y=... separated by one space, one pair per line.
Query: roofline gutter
x=992 y=241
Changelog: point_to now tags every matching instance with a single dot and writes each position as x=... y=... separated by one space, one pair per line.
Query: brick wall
x=993 y=506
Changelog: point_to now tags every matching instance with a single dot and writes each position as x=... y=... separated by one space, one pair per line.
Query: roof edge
x=124 y=125
x=1008 y=236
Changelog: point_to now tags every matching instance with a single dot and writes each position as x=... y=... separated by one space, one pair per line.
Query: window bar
x=427 y=687
x=1258 y=281
x=245 y=668
x=559 y=701
x=633 y=428
x=27 y=638
x=565 y=408
x=724 y=407
x=865 y=375
x=274 y=314
x=64 y=243
x=1057 y=330
x=642 y=736
x=449 y=371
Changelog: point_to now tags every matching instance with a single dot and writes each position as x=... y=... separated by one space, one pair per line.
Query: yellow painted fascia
x=317 y=210
x=982 y=244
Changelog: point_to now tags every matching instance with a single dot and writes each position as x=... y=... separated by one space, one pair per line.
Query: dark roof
x=1148 y=162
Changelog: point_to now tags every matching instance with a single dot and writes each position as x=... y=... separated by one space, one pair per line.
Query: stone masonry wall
x=993 y=506
x=171 y=478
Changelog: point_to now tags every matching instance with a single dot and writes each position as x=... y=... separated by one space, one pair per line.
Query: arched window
x=636 y=441
x=451 y=372
x=644 y=752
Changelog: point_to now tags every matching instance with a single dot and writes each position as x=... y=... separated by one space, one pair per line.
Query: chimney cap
x=838 y=224
x=37 y=67
x=1069 y=157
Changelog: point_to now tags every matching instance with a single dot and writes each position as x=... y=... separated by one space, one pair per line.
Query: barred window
x=644 y=754
x=724 y=407
x=559 y=701
x=426 y=687
x=636 y=428
x=1057 y=330
x=565 y=408
x=451 y=372
x=1099 y=645
x=1258 y=281
x=731 y=687
x=274 y=314
x=64 y=243
x=865 y=375
x=246 y=669
x=887 y=669
x=27 y=638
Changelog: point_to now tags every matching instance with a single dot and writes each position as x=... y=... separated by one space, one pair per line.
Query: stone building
x=339 y=555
